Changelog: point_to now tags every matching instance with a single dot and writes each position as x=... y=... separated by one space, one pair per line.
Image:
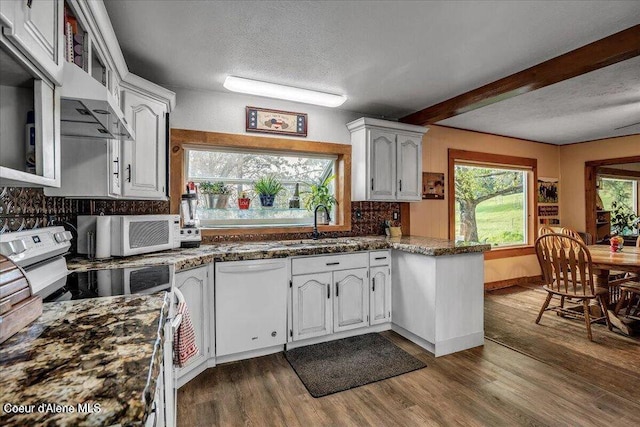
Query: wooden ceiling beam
x=599 y=54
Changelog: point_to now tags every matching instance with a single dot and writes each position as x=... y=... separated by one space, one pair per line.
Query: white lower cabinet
x=336 y=295
x=380 y=297
x=311 y=298
x=351 y=304
x=194 y=285
x=251 y=305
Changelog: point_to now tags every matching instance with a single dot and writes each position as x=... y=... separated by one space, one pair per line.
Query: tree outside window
x=491 y=205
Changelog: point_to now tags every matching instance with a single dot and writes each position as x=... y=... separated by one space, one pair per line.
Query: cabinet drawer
x=329 y=263
x=377 y=258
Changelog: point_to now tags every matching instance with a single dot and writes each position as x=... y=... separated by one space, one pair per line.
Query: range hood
x=87 y=109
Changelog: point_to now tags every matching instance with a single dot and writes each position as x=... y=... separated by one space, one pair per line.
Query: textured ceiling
x=601 y=104
x=389 y=58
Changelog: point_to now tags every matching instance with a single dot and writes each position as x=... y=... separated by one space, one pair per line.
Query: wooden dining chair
x=629 y=293
x=545 y=230
x=572 y=233
x=567 y=272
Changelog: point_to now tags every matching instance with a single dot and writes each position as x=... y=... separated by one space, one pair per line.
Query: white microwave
x=128 y=234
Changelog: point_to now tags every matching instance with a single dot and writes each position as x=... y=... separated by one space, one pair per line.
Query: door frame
x=590 y=178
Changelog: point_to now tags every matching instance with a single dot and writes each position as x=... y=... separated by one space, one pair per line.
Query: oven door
x=146 y=233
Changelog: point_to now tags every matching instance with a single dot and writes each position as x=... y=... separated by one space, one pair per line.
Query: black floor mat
x=339 y=365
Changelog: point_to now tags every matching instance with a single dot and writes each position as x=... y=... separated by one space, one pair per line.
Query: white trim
x=385 y=124
x=149 y=89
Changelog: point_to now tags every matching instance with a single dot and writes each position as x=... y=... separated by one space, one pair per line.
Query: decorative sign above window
x=274 y=121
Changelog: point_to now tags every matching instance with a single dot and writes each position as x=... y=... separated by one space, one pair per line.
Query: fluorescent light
x=272 y=90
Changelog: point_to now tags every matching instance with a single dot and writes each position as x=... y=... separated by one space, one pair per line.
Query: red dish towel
x=184 y=343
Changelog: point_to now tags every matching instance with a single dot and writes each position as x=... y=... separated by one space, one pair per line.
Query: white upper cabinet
x=386 y=160
x=409 y=161
x=35 y=28
x=382 y=165
x=26 y=94
x=144 y=159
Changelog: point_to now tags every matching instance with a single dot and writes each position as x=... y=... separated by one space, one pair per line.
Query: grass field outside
x=500 y=220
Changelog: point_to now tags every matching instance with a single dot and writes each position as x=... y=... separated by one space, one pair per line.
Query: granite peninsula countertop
x=104 y=351
x=239 y=251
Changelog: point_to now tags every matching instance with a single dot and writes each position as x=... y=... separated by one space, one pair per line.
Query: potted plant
x=623 y=220
x=267 y=188
x=244 y=201
x=320 y=194
x=216 y=195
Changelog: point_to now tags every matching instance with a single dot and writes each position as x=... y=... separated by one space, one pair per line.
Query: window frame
x=497 y=161
x=181 y=139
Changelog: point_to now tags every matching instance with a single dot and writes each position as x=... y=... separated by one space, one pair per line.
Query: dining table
x=604 y=261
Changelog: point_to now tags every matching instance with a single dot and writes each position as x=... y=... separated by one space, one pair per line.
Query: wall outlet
x=396 y=215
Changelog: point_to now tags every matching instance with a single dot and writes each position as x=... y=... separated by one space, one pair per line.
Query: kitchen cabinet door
x=194 y=286
x=144 y=159
x=351 y=302
x=382 y=165
x=311 y=314
x=37 y=32
x=251 y=305
x=380 y=296
x=409 y=168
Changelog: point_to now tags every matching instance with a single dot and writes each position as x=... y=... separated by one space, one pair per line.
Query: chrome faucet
x=315 y=233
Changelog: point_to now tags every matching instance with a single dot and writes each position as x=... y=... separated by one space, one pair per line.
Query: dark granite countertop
x=104 y=351
x=238 y=251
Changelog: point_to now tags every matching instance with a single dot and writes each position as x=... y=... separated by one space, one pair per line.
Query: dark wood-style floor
x=547 y=374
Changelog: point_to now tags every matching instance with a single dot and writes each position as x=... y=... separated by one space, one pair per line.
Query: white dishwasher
x=251 y=305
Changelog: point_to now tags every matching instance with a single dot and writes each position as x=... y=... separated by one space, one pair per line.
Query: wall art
x=263 y=120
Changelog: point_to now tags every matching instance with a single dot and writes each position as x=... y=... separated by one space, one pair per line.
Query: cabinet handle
x=328 y=291
x=337 y=289
x=129 y=172
x=373 y=284
x=381 y=257
x=117 y=172
x=333 y=263
x=400 y=185
x=371 y=184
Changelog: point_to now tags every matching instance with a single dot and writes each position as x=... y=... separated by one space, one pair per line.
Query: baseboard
x=429 y=346
x=249 y=354
x=339 y=335
x=442 y=348
x=456 y=344
x=500 y=284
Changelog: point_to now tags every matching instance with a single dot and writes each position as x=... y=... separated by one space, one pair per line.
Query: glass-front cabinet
x=29 y=122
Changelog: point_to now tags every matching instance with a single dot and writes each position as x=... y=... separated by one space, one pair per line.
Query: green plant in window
x=214 y=188
x=267 y=186
x=320 y=194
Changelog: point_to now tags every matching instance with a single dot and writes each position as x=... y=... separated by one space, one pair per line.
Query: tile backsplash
x=25 y=208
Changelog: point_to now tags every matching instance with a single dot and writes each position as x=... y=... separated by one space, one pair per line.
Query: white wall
x=225 y=112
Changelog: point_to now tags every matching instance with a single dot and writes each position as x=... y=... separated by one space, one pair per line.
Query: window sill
x=510 y=252
x=235 y=231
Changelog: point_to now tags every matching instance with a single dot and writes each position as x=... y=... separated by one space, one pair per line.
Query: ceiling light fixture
x=272 y=90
